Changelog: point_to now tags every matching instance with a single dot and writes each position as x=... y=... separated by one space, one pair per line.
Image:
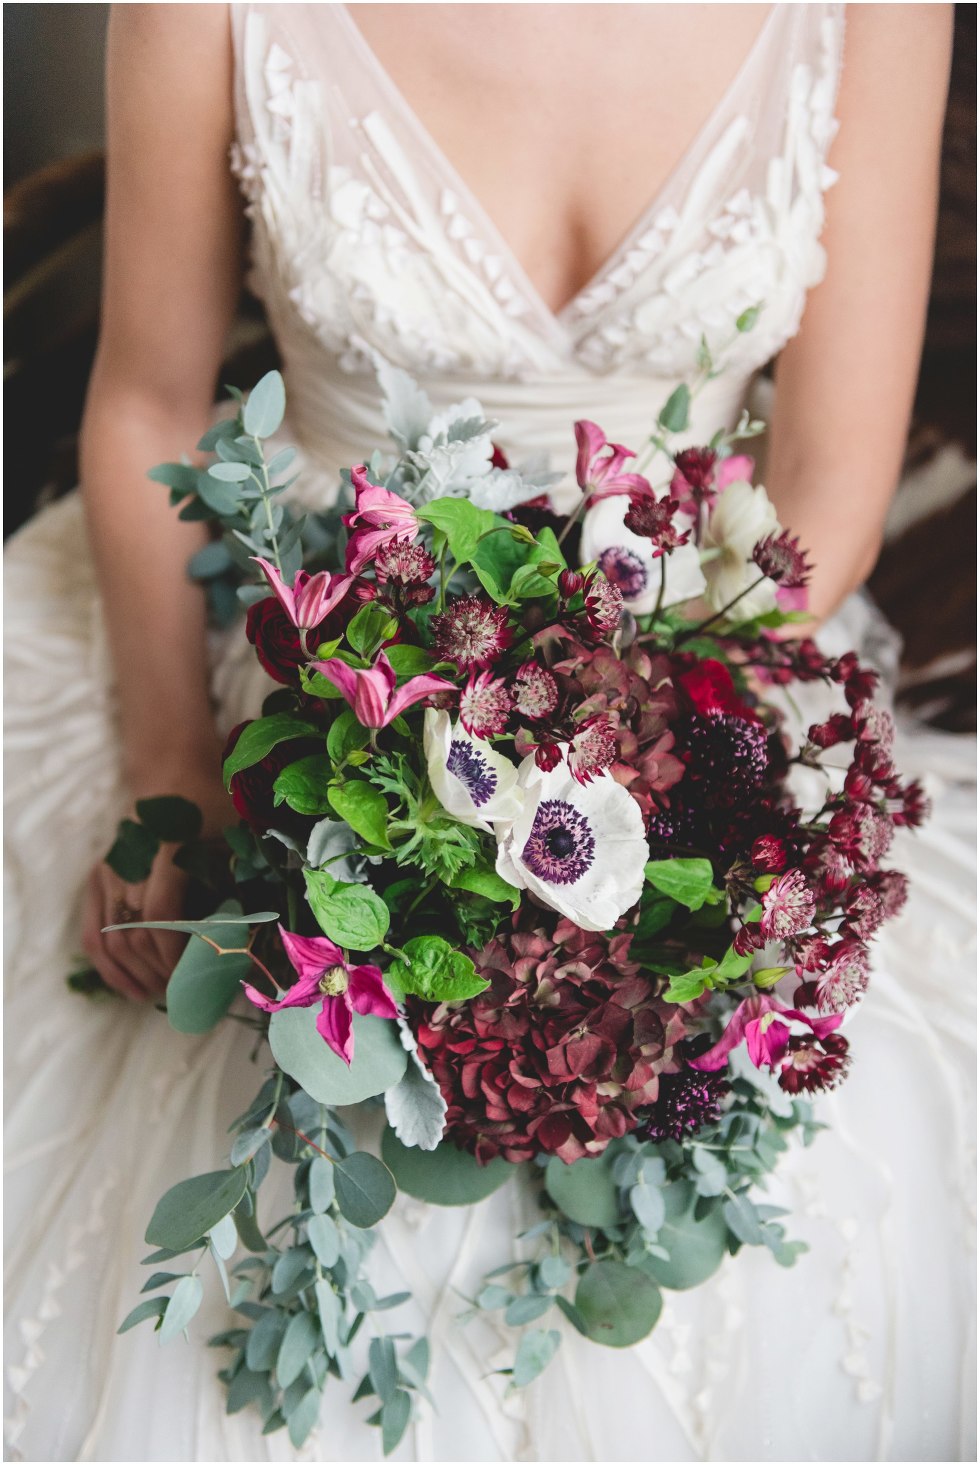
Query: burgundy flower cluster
x=562 y=1053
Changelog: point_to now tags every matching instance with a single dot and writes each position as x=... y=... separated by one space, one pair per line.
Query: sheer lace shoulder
x=365 y=239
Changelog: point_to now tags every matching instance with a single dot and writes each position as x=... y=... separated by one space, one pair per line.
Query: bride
x=545 y=207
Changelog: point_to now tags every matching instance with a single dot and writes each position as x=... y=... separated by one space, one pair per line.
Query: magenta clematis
x=602 y=477
x=372 y=692
x=765 y=1027
x=379 y=517
x=311 y=598
x=326 y=978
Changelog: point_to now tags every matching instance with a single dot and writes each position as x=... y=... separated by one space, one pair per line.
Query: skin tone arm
x=845 y=383
x=172 y=215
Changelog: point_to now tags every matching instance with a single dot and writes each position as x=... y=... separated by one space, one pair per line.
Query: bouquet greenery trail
x=522 y=864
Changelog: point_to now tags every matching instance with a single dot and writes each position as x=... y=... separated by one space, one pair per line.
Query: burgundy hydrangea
x=473 y=633
x=559 y=1054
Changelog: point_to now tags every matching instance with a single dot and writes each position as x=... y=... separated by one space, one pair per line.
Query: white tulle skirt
x=863 y=1351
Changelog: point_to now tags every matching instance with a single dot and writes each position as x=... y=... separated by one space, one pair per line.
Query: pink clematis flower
x=311 y=598
x=379 y=517
x=765 y=1027
x=372 y=693
x=602 y=477
x=341 y=990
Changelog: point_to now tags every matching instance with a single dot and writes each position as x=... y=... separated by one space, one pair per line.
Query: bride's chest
x=444 y=235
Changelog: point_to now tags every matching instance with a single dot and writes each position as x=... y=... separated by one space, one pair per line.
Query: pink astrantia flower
x=311 y=597
x=599 y=466
x=787 y=906
x=765 y=1027
x=485 y=705
x=372 y=693
x=379 y=517
x=341 y=990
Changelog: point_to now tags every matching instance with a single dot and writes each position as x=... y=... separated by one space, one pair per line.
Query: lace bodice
x=366 y=240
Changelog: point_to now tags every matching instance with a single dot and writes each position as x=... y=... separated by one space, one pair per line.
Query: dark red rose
x=276 y=639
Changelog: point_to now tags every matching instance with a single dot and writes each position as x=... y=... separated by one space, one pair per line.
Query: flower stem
x=719 y=614
x=265 y=487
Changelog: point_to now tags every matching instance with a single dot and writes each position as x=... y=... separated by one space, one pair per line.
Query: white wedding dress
x=366 y=241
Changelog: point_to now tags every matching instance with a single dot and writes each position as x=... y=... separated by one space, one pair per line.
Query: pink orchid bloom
x=379 y=517
x=326 y=978
x=311 y=598
x=765 y=1027
x=372 y=693
x=602 y=477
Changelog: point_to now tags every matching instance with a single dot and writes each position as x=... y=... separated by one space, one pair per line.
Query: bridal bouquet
x=531 y=881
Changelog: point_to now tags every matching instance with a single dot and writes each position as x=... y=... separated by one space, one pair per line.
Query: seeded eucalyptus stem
x=265 y=488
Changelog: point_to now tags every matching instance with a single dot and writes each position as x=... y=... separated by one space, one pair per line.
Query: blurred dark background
x=925 y=580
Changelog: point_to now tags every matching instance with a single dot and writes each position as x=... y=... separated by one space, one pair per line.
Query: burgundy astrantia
x=561 y=1053
x=592 y=749
x=472 y=632
x=788 y=906
x=654 y=519
x=404 y=570
x=603 y=605
x=780 y=557
x=535 y=691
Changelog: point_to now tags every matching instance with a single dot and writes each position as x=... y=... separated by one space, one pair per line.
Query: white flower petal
x=741 y=517
x=603 y=530
x=452 y=792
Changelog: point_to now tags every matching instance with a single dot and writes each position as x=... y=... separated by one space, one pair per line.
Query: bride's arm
x=171 y=281
x=845 y=383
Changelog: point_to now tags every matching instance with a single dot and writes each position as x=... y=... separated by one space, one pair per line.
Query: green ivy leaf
x=436 y=972
x=172 y=819
x=258 y=739
x=346 y=735
x=364 y=808
x=133 y=853
x=352 y=915
x=370 y=628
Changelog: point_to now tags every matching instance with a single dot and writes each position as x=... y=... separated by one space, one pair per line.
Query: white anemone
x=741 y=517
x=472 y=782
x=579 y=848
x=627 y=559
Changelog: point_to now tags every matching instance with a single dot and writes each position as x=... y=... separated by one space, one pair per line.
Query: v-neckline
x=557 y=320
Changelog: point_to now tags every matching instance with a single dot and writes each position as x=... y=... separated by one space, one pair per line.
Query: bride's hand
x=138 y=964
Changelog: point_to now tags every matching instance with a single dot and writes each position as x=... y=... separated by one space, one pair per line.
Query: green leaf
x=187 y=1298
x=383 y=1368
x=675 y=412
x=585 y=1190
x=620 y=1305
x=191 y=1208
x=331 y=1313
x=365 y=1189
x=436 y=972
x=265 y=1340
x=257 y=739
x=534 y=1352
x=299 y=1340
x=303 y=785
x=446 y=1176
x=526 y=1309
x=204 y=983
x=395 y=1414
x=248 y=1388
x=409 y=661
x=181 y=477
x=688 y=986
x=151 y=1307
x=732 y=966
x=695 y=1248
x=743 y=1220
x=320 y=1184
x=228 y=473
x=352 y=915
x=689 y=882
x=370 y=628
x=303 y=1416
x=216 y=926
x=133 y=853
x=346 y=735
x=265 y=407
x=172 y=819
x=748 y=318
x=488 y=883
x=379 y=1059
x=324 y=1239
x=364 y=808
x=461 y=522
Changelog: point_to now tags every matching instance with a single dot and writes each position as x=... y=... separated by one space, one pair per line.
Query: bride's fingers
x=165 y=891
x=110 y=970
x=132 y=950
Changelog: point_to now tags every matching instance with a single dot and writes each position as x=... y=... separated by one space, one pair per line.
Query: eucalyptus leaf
x=695 y=1248
x=675 y=412
x=265 y=1340
x=534 y=1352
x=266 y=404
x=187 y=1298
x=378 y=1064
x=446 y=1176
x=324 y=1239
x=619 y=1304
x=204 y=982
x=585 y=1191
x=320 y=1184
x=395 y=1414
x=365 y=1189
x=189 y=1210
x=300 y=1338
x=303 y=1416
x=153 y=1307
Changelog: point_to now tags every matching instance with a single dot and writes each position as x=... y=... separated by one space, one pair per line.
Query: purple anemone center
x=561 y=845
x=623 y=568
x=472 y=770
